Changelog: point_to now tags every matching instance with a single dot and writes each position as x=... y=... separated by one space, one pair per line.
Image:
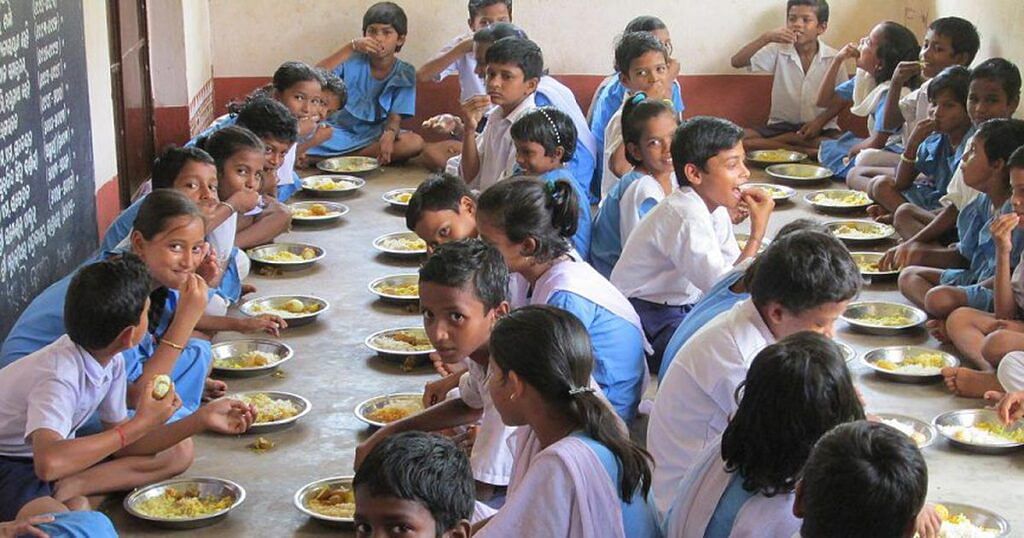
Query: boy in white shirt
x=799 y=60
x=807 y=280
x=686 y=243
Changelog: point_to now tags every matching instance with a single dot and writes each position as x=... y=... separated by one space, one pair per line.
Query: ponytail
x=636 y=112
x=524 y=207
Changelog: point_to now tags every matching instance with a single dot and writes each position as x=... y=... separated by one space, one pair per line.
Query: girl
x=877 y=56
x=530 y=222
x=382 y=89
x=576 y=472
x=545 y=140
x=796 y=390
x=333 y=96
x=647 y=128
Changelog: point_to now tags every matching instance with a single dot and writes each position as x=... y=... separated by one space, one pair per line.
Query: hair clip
x=558 y=136
x=574 y=391
x=638 y=97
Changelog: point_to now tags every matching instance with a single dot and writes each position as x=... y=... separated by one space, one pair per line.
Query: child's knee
x=960 y=319
x=178 y=458
x=940 y=301
x=909 y=277
x=999 y=343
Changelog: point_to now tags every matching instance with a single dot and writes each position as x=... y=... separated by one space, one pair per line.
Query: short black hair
x=549 y=127
x=292 y=72
x=104 y=298
x=388 y=13
x=698 y=139
x=804 y=270
x=168 y=164
x=438 y=192
x=499 y=30
x=799 y=225
x=522 y=53
x=862 y=479
x=637 y=110
x=469 y=263
x=269 y=118
x=332 y=83
x=425 y=468
x=820 y=8
x=956 y=79
x=898 y=44
x=1002 y=71
x=1001 y=137
x=223 y=143
x=1016 y=161
x=644 y=23
x=525 y=207
x=961 y=32
x=476 y=5
x=633 y=45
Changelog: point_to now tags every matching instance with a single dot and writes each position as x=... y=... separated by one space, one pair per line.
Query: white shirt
x=464 y=66
x=914 y=107
x=958 y=193
x=612 y=143
x=491 y=458
x=640 y=197
x=285 y=173
x=678 y=252
x=57 y=388
x=697 y=396
x=794 y=92
x=495 y=148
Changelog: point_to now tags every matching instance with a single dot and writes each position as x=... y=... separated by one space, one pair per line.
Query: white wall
x=998 y=21
x=167 y=53
x=198 y=52
x=101 y=102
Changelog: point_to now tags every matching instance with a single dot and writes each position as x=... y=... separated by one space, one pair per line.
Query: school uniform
x=958 y=193
x=370 y=101
x=494 y=146
x=581 y=239
x=571 y=489
x=491 y=458
x=612 y=143
x=914 y=107
x=550 y=92
x=606 y=241
x=868 y=99
x=639 y=198
x=1011 y=372
x=57 y=388
x=937 y=158
x=697 y=394
x=794 y=91
x=672 y=258
x=223 y=121
x=465 y=67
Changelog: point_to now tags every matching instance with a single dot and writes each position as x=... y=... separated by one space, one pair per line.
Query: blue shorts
x=659 y=322
x=980 y=298
x=19 y=485
x=923 y=196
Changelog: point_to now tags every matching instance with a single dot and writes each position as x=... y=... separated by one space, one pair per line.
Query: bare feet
x=880 y=214
x=970 y=383
x=247 y=289
x=213 y=389
x=937 y=328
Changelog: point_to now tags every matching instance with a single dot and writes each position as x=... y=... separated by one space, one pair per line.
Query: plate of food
x=868 y=262
x=742 y=238
x=286 y=256
x=349 y=165
x=398 y=288
x=275 y=410
x=848 y=353
x=318 y=212
x=385 y=409
x=800 y=174
x=400 y=342
x=838 y=200
x=333 y=186
x=920 y=432
x=400 y=244
x=775 y=156
x=330 y=500
x=909 y=364
x=185 y=503
x=970 y=521
x=250 y=357
x=883 y=318
x=860 y=231
x=297 y=310
x=980 y=430
x=399 y=198
x=779 y=193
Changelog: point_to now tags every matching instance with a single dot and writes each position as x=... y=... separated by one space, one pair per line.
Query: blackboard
x=47 y=188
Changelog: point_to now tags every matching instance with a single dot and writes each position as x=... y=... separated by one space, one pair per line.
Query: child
x=382 y=90
x=686 y=243
x=862 y=479
x=940 y=291
x=333 y=96
x=463 y=287
x=877 y=55
x=647 y=127
x=441 y=210
x=545 y=141
x=79 y=524
x=417 y=482
x=457 y=56
x=530 y=223
x=569 y=443
x=742 y=485
x=808 y=281
x=798 y=59
x=933 y=150
x=47 y=395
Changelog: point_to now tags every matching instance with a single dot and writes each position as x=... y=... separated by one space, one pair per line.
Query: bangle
x=171 y=344
x=120 y=434
x=908 y=160
x=228 y=205
x=392 y=129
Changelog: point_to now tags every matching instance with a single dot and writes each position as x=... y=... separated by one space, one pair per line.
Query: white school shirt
x=464 y=66
x=642 y=192
x=1011 y=372
x=285 y=173
x=794 y=92
x=914 y=107
x=958 y=193
x=697 y=396
x=612 y=142
x=495 y=148
x=57 y=388
x=491 y=458
x=678 y=252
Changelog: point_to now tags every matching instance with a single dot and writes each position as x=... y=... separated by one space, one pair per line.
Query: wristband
x=907 y=160
x=120 y=434
x=228 y=205
x=171 y=344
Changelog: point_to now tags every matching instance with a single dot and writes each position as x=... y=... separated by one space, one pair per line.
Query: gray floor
x=335 y=371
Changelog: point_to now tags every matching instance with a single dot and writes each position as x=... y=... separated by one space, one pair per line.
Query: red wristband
x=124 y=442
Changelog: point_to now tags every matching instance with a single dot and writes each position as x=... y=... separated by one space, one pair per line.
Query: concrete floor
x=335 y=371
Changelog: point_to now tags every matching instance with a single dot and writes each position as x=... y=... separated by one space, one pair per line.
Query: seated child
x=418 y=482
x=333 y=96
x=863 y=479
x=530 y=223
x=79 y=524
x=576 y=471
x=1010 y=405
x=648 y=125
x=457 y=57
x=798 y=59
x=545 y=141
x=441 y=210
x=463 y=287
x=877 y=55
x=958 y=276
x=686 y=243
x=381 y=88
x=46 y=396
x=742 y=484
x=809 y=280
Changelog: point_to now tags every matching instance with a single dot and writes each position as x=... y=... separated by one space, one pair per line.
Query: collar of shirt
x=825 y=53
x=750 y=312
x=96 y=373
x=498 y=114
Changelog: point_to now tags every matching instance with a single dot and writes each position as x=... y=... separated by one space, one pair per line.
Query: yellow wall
x=998 y=21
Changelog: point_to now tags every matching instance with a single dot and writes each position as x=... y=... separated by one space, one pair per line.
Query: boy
x=686 y=243
x=798 y=59
x=863 y=479
x=463 y=288
x=418 y=482
x=457 y=56
x=333 y=96
x=441 y=210
x=811 y=280
x=46 y=396
x=271 y=121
